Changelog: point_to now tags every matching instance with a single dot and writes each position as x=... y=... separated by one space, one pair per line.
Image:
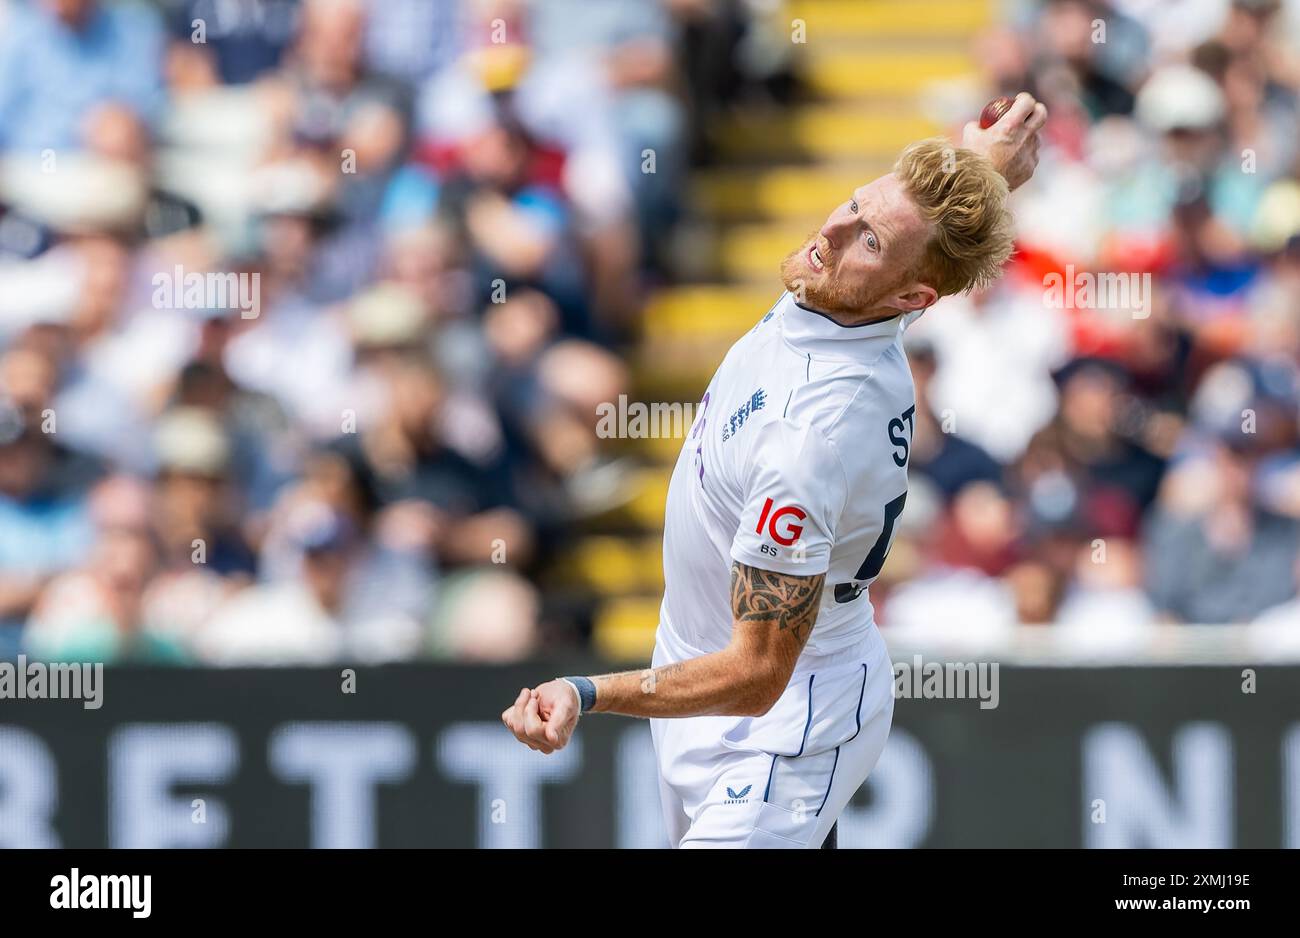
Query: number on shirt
x=871 y=567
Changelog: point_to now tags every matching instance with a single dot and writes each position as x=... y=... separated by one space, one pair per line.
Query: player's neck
x=851 y=319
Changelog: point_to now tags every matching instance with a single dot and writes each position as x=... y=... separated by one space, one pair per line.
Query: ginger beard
x=827 y=292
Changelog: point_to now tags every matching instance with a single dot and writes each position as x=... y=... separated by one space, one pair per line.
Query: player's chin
x=799 y=275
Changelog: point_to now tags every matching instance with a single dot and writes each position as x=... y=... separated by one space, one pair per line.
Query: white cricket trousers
x=777 y=781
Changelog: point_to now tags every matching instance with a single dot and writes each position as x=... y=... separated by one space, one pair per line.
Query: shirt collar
x=820 y=336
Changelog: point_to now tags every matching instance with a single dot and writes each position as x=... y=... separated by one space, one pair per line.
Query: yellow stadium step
x=873 y=19
x=647 y=507
x=884 y=72
x=754 y=252
x=624 y=629
x=707 y=310
x=824 y=132
x=663 y=450
x=613 y=566
x=803 y=193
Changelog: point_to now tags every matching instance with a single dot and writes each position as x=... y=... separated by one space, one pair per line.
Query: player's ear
x=915 y=296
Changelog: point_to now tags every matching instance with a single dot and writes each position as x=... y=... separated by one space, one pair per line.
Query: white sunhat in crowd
x=1180 y=97
x=80 y=192
x=191 y=440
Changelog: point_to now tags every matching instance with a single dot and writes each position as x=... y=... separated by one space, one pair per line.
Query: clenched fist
x=543 y=718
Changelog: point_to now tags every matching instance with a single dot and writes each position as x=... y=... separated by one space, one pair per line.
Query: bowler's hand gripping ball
x=994 y=110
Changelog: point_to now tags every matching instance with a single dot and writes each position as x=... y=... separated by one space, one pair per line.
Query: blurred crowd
x=440 y=219
x=1106 y=465
x=437 y=216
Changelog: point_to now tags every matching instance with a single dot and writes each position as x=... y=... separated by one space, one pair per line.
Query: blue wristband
x=586 y=692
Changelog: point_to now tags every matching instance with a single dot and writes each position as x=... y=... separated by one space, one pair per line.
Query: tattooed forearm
x=743 y=679
x=790 y=601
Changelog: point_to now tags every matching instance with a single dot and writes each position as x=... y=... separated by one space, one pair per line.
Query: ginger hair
x=964 y=198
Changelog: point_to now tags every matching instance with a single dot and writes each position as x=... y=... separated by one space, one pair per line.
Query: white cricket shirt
x=796 y=463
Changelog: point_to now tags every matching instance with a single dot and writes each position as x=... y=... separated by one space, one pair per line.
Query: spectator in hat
x=266 y=448
x=296 y=620
x=194 y=503
x=1194 y=183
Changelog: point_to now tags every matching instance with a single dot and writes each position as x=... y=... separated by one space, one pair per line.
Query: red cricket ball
x=994 y=110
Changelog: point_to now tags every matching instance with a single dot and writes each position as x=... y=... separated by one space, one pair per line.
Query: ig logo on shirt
x=783 y=531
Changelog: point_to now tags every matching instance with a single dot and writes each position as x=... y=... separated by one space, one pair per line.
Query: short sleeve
x=795 y=492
